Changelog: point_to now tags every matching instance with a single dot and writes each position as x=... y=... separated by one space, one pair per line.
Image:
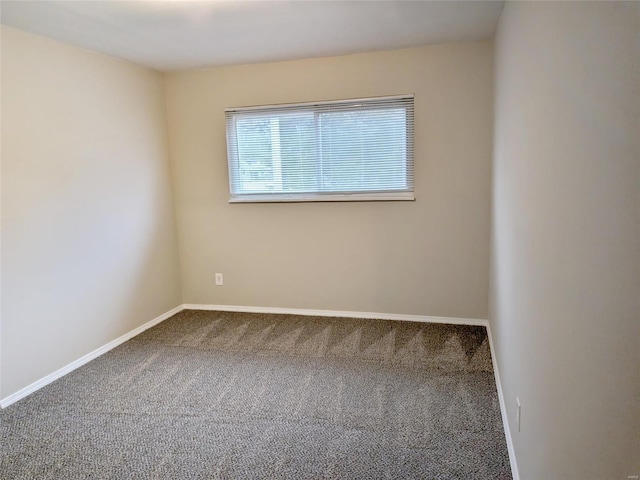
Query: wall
x=427 y=257
x=88 y=233
x=565 y=288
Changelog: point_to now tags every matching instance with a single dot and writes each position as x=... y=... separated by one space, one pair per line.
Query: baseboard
x=338 y=313
x=503 y=409
x=5 y=402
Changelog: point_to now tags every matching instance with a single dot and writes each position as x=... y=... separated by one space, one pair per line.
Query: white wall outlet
x=518 y=411
x=219 y=279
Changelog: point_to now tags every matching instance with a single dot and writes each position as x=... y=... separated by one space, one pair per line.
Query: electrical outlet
x=219 y=279
x=518 y=412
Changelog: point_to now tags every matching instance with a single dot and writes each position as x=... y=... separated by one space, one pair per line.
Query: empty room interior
x=318 y=239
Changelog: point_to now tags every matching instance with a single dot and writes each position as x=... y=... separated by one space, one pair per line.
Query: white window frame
x=279 y=197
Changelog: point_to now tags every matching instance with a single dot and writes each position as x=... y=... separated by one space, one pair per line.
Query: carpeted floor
x=256 y=396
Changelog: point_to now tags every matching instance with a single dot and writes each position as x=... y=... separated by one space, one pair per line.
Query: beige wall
x=88 y=235
x=425 y=257
x=565 y=290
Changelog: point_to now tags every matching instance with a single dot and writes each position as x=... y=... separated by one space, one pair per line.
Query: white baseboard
x=338 y=313
x=503 y=409
x=5 y=402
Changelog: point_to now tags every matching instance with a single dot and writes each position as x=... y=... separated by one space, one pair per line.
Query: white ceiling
x=184 y=34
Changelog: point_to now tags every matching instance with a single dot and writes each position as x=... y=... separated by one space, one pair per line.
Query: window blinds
x=359 y=149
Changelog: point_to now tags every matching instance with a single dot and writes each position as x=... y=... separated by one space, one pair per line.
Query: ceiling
x=183 y=34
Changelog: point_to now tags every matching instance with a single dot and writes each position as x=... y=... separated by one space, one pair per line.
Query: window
x=358 y=149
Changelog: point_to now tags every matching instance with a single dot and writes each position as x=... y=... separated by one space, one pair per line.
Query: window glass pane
x=298 y=153
x=255 y=164
x=277 y=153
x=363 y=150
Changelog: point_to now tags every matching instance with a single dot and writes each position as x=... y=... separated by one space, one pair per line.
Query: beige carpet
x=231 y=395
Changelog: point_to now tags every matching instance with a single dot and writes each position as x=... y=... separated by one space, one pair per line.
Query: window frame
x=329 y=196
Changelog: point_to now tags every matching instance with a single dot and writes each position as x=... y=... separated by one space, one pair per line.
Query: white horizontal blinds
x=346 y=147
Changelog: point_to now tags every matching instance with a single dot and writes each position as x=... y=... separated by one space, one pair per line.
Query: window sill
x=355 y=197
